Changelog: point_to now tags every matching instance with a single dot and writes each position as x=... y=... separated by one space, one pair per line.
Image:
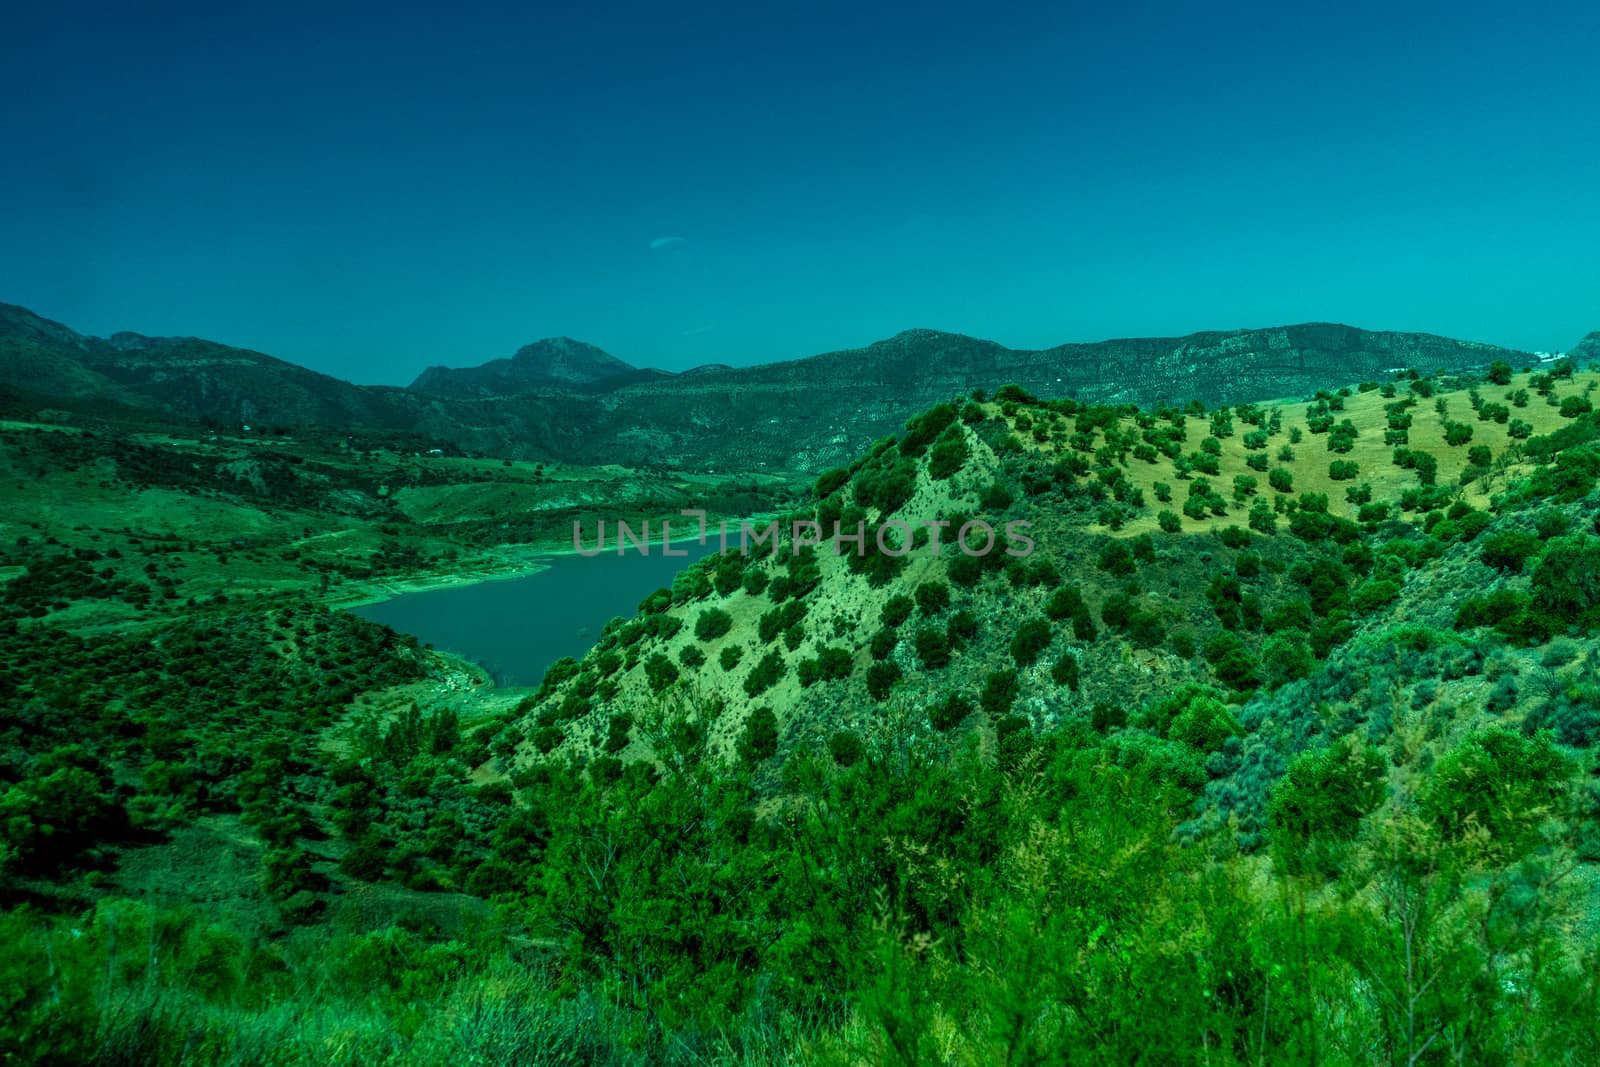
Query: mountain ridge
x=574 y=402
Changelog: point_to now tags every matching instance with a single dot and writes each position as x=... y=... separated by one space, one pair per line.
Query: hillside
x=1187 y=494
x=563 y=400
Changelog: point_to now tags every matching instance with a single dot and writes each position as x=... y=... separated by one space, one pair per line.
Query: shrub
x=1117 y=559
x=896 y=610
x=881 y=678
x=730 y=656
x=1281 y=480
x=765 y=674
x=1573 y=406
x=661 y=671
x=933 y=647
x=1510 y=550
x=1343 y=470
x=828 y=665
x=1169 y=521
x=933 y=597
x=846 y=748
x=999 y=691
x=1318 y=805
x=712 y=624
x=1066 y=671
x=950 y=713
x=760 y=740
x=1031 y=639
x=1501 y=782
x=1566 y=583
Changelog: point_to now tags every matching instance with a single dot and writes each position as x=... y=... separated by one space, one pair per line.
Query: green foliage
x=1501 y=783
x=1510 y=550
x=1281 y=479
x=760 y=738
x=1030 y=641
x=950 y=712
x=765 y=674
x=1318 y=805
x=1566 y=582
x=712 y=623
x=881 y=677
x=846 y=748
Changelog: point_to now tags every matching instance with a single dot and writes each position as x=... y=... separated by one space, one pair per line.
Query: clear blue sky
x=368 y=190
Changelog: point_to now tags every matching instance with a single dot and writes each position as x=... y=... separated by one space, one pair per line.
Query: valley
x=1268 y=678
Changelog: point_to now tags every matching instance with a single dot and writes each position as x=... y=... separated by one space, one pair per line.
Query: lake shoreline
x=519 y=561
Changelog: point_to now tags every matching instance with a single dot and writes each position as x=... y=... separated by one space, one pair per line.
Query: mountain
x=1587 y=351
x=46 y=357
x=553 y=363
x=565 y=400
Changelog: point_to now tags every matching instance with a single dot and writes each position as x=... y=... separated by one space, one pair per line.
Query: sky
x=369 y=190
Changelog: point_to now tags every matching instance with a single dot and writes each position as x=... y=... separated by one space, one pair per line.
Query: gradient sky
x=371 y=189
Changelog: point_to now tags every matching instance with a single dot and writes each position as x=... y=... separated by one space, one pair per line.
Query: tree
x=1566 y=583
x=1031 y=639
x=1502 y=783
x=1281 y=480
x=712 y=624
x=1318 y=805
x=1500 y=372
x=760 y=739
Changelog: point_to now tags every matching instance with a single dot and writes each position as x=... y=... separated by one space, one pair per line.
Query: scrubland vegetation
x=1280 y=748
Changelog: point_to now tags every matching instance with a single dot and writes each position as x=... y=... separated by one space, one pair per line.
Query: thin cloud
x=666 y=242
x=696 y=331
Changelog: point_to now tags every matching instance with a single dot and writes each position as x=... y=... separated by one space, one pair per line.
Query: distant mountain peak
x=548 y=363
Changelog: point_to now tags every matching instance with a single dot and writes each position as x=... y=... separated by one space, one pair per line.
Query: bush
x=1117 y=559
x=760 y=740
x=962 y=627
x=950 y=713
x=881 y=678
x=933 y=597
x=1343 y=470
x=1067 y=671
x=730 y=656
x=1169 y=521
x=999 y=691
x=1031 y=639
x=712 y=624
x=846 y=748
x=765 y=674
x=1501 y=782
x=1281 y=480
x=896 y=610
x=1509 y=551
x=933 y=647
x=1566 y=583
x=1317 y=806
x=661 y=671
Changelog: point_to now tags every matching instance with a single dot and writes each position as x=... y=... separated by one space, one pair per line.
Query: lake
x=517 y=627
